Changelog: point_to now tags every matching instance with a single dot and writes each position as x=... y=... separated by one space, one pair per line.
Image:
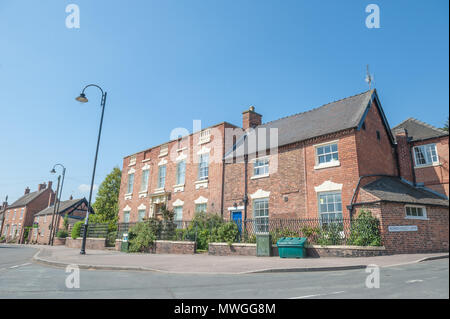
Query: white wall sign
x=402 y=228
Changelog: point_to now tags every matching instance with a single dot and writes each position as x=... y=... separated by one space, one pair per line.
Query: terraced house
x=327 y=164
x=20 y=214
x=184 y=174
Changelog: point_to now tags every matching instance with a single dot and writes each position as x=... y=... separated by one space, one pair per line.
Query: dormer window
x=205 y=136
x=164 y=150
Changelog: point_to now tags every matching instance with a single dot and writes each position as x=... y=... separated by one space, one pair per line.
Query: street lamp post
x=58 y=198
x=82 y=98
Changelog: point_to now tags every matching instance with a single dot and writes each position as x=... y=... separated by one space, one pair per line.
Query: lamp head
x=82 y=98
x=53 y=171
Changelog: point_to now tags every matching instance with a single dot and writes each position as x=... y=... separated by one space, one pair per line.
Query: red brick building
x=315 y=164
x=20 y=214
x=185 y=174
x=315 y=167
x=424 y=149
x=74 y=209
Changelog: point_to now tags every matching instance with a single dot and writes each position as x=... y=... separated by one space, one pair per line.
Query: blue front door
x=237 y=218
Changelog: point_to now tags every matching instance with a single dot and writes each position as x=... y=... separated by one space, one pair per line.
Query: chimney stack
x=50 y=183
x=51 y=199
x=41 y=186
x=251 y=119
x=71 y=197
x=404 y=155
x=27 y=190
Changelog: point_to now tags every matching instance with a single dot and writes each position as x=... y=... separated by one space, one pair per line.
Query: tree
x=445 y=128
x=106 y=204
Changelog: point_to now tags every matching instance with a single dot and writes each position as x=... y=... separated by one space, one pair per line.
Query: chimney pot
x=27 y=190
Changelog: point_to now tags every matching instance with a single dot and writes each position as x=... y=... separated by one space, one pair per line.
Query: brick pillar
x=404 y=155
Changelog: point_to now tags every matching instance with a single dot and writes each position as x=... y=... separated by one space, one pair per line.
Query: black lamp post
x=58 y=200
x=83 y=99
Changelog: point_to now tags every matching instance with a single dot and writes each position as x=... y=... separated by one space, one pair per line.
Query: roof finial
x=369 y=77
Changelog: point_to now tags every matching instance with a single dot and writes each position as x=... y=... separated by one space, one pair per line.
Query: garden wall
x=316 y=251
x=59 y=241
x=223 y=249
x=173 y=247
x=91 y=243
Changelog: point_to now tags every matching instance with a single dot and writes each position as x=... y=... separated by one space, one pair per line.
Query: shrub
x=227 y=233
x=330 y=234
x=204 y=227
x=76 y=230
x=66 y=222
x=365 y=230
x=141 y=236
x=62 y=233
x=280 y=233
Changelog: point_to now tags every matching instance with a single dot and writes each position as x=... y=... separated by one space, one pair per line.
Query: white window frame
x=132 y=160
x=259 y=170
x=126 y=213
x=425 y=152
x=144 y=181
x=130 y=186
x=21 y=213
x=261 y=222
x=180 y=181
x=204 y=137
x=333 y=162
x=162 y=177
x=424 y=211
x=336 y=211
x=201 y=204
x=203 y=171
x=139 y=214
x=164 y=150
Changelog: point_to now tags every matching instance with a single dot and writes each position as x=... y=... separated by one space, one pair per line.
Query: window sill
x=178 y=188
x=128 y=196
x=159 y=190
x=146 y=160
x=417 y=217
x=328 y=165
x=143 y=194
x=132 y=164
x=204 y=142
x=259 y=176
x=428 y=165
x=201 y=184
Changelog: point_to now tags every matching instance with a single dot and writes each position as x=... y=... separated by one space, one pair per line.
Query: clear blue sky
x=165 y=63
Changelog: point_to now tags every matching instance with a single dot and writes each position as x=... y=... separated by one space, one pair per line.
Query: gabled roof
x=393 y=189
x=330 y=118
x=418 y=130
x=63 y=206
x=26 y=199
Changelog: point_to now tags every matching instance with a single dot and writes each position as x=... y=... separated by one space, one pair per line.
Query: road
x=21 y=278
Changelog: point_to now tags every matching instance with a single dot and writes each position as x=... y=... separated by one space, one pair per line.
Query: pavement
x=61 y=256
x=20 y=278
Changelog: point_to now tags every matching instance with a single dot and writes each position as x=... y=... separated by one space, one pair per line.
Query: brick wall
x=29 y=211
x=431 y=236
x=375 y=156
x=190 y=191
x=435 y=177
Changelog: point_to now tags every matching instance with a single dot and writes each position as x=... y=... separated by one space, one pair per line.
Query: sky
x=165 y=63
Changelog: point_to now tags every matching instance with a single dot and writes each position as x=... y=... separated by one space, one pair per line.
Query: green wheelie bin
x=292 y=247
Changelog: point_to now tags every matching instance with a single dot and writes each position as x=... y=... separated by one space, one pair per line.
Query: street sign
x=402 y=228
